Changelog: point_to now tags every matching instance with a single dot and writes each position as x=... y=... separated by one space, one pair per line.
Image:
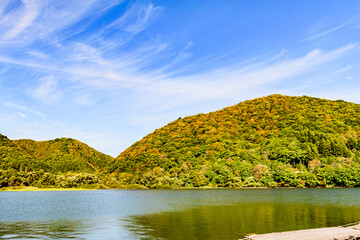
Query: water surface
x=172 y=214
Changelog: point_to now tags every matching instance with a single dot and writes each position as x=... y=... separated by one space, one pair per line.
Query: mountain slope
x=271 y=141
x=59 y=155
x=297 y=131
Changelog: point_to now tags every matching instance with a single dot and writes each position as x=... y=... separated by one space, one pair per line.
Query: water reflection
x=233 y=222
x=169 y=214
x=63 y=229
x=69 y=229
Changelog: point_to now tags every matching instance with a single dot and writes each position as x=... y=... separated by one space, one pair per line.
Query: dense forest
x=63 y=162
x=274 y=141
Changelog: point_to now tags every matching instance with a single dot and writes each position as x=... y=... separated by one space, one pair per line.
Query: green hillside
x=75 y=156
x=270 y=141
x=61 y=162
x=274 y=141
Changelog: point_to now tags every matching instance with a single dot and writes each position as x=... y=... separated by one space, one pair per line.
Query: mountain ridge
x=61 y=162
x=272 y=141
x=294 y=131
x=72 y=152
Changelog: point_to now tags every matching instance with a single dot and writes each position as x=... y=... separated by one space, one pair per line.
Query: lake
x=172 y=214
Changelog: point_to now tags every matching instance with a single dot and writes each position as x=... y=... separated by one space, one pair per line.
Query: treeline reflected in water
x=64 y=229
x=204 y=222
x=233 y=222
x=170 y=214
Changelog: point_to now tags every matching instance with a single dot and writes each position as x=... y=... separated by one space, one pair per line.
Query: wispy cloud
x=28 y=13
x=22 y=115
x=322 y=32
x=21 y=107
x=37 y=54
x=89 y=66
x=46 y=91
x=139 y=18
x=230 y=81
x=326 y=28
x=33 y=20
x=71 y=52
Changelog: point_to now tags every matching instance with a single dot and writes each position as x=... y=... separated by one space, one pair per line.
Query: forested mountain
x=274 y=141
x=269 y=141
x=62 y=162
x=54 y=156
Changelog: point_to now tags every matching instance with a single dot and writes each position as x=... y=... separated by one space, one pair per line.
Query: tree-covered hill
x=74 y=155
x=274 y=141
x=62 y=162
x=59 y=155
x=269 y=141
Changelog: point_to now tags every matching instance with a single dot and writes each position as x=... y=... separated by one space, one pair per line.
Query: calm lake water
x=172 y=214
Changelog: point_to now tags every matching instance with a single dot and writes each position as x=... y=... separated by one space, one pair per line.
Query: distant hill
x=55 y=156
x=249 y=140
x=62 y=162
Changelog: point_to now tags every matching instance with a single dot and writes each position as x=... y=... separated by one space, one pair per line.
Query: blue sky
x=109 y=72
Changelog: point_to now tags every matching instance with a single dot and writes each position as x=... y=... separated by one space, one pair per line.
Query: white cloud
x=140 y=17
x=230 y=81
x=89 y=67
x=325 y=31
x=21 y=107
x=327 y=27
x=84 y=99
x=37 y=54
x=22 y=115
x=46 y=91
x=135 y=19
x=28 y=13
x=154 y=78
x=44 y=19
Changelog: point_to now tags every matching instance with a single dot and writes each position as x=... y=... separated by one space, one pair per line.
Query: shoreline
x=33 y=189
